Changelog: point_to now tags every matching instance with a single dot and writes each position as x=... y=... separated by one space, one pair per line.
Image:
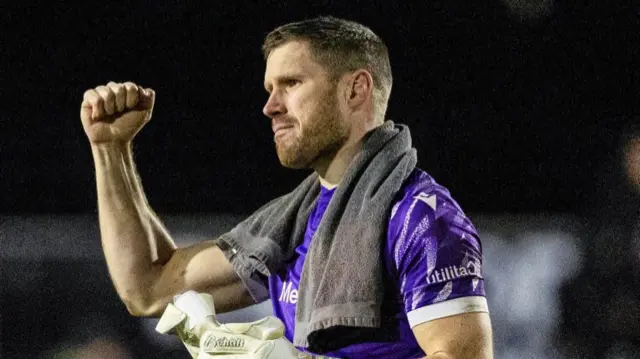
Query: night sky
x=510 y=114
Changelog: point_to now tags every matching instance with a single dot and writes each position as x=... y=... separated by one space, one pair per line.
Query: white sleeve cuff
x=447 y=308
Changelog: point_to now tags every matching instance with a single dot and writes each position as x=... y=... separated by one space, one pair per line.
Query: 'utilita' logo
x=454 y=272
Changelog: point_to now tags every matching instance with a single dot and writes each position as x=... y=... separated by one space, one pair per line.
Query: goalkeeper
x=328 y=82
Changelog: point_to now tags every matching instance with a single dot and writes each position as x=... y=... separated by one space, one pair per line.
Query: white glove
x=192 y=316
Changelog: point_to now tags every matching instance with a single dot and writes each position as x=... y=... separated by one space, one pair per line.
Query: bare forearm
x=160 y=243
x=134 y=241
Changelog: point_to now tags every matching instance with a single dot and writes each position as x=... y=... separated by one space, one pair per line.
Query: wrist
x=111 y=147
x=108 y=154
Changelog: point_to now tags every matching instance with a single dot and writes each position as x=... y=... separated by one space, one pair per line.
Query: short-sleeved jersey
x=432 y=267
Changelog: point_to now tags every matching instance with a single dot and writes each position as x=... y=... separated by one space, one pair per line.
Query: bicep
x=204 y=268
x=461 y=336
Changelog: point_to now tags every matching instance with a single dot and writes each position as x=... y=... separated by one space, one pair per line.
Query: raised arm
x=145 y=265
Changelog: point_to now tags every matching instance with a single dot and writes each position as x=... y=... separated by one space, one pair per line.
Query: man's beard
x=321 y=137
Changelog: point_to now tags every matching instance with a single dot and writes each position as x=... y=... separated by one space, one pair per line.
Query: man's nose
x=274 y=106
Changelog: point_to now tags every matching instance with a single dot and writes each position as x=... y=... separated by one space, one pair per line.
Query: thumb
x=146 y=99
x=86 y=111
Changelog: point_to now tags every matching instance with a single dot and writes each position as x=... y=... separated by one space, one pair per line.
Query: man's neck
x=332 y=169
x=326 y=184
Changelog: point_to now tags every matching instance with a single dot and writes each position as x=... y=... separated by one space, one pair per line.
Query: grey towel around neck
x=342 y=281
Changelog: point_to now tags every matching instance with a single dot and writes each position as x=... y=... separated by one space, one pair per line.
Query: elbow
x=136 y=310
x=140 y=307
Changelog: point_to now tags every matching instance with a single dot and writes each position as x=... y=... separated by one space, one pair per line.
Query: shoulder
x=421 y=202
x=433 y=253
x=428 y=226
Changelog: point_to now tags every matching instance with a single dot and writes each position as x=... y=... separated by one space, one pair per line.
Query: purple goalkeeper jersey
x=432 y=262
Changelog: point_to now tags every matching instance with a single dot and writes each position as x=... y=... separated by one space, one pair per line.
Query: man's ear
x=360 y=88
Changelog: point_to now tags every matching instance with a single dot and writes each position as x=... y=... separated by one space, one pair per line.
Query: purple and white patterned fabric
x=432 y=261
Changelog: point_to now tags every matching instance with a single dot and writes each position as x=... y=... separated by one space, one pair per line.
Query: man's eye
x=291 y=83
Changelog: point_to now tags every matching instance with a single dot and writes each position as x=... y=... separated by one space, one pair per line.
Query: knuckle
x=88 y=94
x=132 y=96
x=95 y=98
x=118 y=90
x=109 y=95
x=96 y=101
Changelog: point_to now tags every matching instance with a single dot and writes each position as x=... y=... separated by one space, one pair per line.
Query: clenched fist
x=115 y=112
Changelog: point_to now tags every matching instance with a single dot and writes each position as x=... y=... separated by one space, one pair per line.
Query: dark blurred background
x=524 y=109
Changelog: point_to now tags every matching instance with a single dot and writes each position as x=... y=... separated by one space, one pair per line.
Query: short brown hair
x=341 y=46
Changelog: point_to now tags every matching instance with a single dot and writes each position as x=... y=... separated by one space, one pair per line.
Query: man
x=328 y=81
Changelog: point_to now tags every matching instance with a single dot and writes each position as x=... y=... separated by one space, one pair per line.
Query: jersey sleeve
x=256 y=284
x=436 y=258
